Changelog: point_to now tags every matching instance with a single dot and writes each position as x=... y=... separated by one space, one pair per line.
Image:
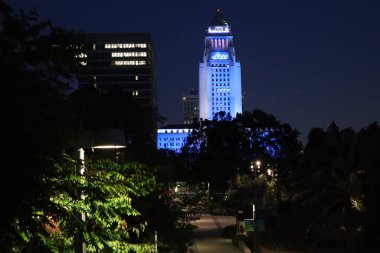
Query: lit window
x=125 y=45
x=141 y=45
x=128 y=62
x=81 y=55
x=129 y=54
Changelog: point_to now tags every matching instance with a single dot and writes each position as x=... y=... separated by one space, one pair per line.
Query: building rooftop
x=218 y=19
x=118 y=37
x=176 y=126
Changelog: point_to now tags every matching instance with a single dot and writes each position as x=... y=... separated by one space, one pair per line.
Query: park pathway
x=209 y=237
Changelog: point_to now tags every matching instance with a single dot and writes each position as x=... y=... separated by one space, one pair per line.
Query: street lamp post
x=156 y=240
x=254 y=228
x=99 y=139
x=256 y=168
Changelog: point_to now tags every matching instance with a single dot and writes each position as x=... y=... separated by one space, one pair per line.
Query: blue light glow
x=219 y=56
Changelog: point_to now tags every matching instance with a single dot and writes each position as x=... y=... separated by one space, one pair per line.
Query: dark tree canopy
x=336 y=187
x=36 y=59
x=221 y=148
x=40 y=114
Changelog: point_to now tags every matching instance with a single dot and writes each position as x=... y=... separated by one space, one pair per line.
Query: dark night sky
x=305 y=62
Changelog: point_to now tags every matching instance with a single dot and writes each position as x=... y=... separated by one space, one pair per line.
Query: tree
x=36 y=59
x=369 y=163
x=246 y=190
x=111 y=219
x=38 y=181
x=214 y=150
x=175 y=233
x=221 y=148
x=327 y=186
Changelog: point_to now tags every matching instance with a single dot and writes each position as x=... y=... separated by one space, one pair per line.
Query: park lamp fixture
x=96 y=139
x=111 y=138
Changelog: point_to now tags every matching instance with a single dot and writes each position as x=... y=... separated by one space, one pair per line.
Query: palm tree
x=327 y=185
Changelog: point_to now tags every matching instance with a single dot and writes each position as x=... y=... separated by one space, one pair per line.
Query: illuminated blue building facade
x=219 y=72
x=219 y=83
x=172 y=137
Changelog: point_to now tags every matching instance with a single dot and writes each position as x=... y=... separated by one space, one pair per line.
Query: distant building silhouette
x=190 y=107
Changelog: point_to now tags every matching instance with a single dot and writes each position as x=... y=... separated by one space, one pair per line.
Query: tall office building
x=190 y=107
x=219 y=72
x=120 y=61
x=219 y=84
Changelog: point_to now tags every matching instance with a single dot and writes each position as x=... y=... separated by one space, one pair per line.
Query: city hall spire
x=219 y=72
x=218 y=19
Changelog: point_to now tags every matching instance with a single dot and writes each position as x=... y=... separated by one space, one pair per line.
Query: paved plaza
x=209 y=237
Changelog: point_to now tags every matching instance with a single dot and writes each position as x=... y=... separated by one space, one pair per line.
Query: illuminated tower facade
x=219 y=72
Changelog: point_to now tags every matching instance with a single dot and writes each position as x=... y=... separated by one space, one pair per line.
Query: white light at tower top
x=219 y=29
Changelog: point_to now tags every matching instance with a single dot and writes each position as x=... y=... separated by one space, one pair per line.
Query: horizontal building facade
x=173 y=137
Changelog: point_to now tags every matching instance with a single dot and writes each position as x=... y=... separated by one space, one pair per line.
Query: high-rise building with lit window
x=190 y=107
x=120 y=61
x=219 y=72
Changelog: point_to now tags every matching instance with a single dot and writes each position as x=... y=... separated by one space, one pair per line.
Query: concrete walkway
x=209 y=237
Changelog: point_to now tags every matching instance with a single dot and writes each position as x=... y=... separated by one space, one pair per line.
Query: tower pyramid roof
x=218 y=19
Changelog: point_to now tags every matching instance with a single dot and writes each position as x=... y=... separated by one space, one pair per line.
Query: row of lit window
x=221 y=84
x=128 y=62
x=220 y=94
x=220 y=70
x=221 y=99
x=171 y=144
x=81 y=55
x=221 y=109
x=217 y=75
x=216 y=89
x=220 y=80
x=162 y=131
x=172 y=138
x=129 y=54
x=220 y=65
x=220 y=103
x=125 y=45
